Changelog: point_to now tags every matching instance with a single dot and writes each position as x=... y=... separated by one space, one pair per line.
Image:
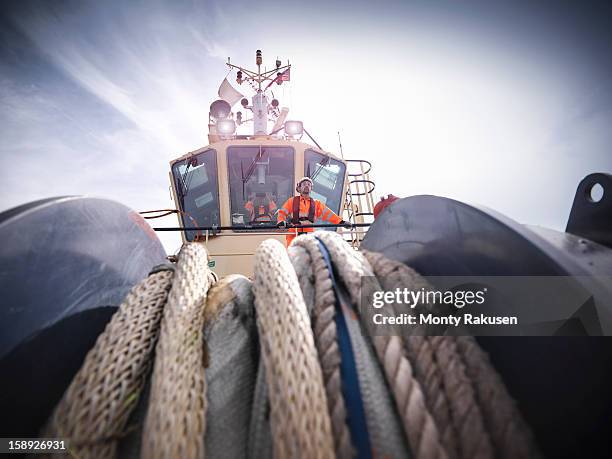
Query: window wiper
x=190 y=162
x=250 y=170
x=184 y=185
x=321 y=165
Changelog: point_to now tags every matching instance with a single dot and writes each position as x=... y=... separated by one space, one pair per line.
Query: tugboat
x=69 y=265
x=233 y=188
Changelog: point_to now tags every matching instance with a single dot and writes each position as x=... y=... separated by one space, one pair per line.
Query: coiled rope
x=298 y=416
x=419 y=427
x=449 y=393
x=511 y=435
x=93 y=412
x=175 y=421
x=451 y=401
x=467 y=398
x=325 y=334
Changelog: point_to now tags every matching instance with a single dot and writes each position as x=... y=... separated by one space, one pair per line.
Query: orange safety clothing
x=259 y=211
x=320 y=211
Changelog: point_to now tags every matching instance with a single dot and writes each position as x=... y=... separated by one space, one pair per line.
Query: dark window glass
x=261 y=180
x=197 y=188
x=327 y=175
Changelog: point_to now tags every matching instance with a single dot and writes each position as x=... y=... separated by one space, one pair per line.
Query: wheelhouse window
x=327 y=175
x=197 y=188
x=261 y=180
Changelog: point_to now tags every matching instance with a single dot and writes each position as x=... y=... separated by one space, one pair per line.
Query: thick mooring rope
x=419 y=350
x=175 y=421
x=510 y=434
x=442 y=374
x=299 y=417
x=93 y=412
x=419 y=426
x=451 y=401
x=326 y=339
x=469 y=402
x=466 y=413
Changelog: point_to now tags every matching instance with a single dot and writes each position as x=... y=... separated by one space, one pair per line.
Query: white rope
x=175 y=421
x=299 y=418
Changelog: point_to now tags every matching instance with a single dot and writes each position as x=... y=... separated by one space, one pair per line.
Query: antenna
x=260 y=107
x=340 y=143
x=258 y=77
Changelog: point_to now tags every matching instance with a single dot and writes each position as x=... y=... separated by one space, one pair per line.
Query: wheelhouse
x=242 y=184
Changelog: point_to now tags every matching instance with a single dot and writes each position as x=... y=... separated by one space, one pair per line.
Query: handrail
x=367 y=191
x=259 y=228
x=360 y=161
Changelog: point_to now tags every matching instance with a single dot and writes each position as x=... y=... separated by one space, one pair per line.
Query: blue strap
x=348 y=373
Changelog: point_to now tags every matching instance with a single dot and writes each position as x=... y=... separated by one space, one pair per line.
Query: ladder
x=359 y=199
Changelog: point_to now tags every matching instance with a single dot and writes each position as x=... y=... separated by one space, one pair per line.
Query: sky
x=501 y=104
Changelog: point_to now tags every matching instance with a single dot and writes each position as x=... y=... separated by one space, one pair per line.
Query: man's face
x=305 y=187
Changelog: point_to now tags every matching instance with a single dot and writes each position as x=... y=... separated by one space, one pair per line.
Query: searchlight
x=220 y=109
x=294 y=128
x=226 y=127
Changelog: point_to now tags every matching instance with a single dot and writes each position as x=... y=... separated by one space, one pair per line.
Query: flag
x=286 y=75
x=280 y=77
x=228 y=93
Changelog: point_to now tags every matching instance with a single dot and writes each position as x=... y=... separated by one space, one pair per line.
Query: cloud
x=120 y=90
x=444 y=101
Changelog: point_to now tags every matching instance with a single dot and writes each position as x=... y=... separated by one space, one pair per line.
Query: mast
x=260 y=106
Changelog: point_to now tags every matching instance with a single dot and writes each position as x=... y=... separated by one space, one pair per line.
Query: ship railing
x=359 y=199
x=204 y=232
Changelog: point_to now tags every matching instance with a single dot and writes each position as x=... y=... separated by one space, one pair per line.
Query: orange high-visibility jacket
x=320 y=211
x=258 y=211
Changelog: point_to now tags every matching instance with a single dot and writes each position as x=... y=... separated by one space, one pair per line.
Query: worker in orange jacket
x=304 y=209
x=261 y=208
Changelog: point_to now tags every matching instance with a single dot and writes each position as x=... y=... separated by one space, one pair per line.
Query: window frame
x=291 y=150
x=343 y=176
x=177 y=183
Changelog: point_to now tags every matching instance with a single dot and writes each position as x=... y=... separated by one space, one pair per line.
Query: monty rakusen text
x=456 y=299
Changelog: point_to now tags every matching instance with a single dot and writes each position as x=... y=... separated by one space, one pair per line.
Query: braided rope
x=175 y=421
x=466 y=394
x=95 y=409
x=392 y=275
x=509 y=432
x=465 y=411
x=302 y=263
x=465 y=422
x=419 y=426
x=326 y=340
x=299 y=418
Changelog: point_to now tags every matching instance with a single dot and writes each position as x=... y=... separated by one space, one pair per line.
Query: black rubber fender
x=561 y=383
x=65 y=264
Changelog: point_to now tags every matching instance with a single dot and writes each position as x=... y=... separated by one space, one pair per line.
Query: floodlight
x=244 y=102
x=274 y=103
x=294 y=127
x=226 y=127
x=220 y=109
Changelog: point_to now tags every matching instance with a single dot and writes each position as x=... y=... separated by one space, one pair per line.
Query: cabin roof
x=261 y=140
